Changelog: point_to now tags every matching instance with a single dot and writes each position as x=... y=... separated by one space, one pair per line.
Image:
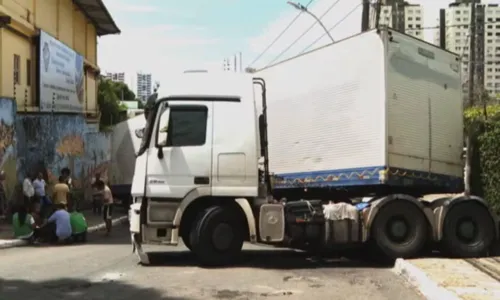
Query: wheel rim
x=466 y=230
x=397 y=230
x=222 y=236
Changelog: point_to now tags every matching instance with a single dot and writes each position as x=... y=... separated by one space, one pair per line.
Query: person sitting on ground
x=61 y=192
x=23 y=224
x=79 y=226
x=58 y=226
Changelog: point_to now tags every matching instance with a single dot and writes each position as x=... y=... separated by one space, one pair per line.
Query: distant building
x=457 y=21
x=116 y=77
x=144 y=86
x=401 y=16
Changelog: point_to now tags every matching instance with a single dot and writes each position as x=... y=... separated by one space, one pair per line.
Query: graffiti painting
x=7 y=151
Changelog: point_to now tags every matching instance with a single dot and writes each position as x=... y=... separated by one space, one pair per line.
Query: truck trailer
x=282 y=156
x=125 y=142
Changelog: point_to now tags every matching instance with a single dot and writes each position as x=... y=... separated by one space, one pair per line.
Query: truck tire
x=399 y=230
x=186 y=239
x=217 y=237
x=468 y=231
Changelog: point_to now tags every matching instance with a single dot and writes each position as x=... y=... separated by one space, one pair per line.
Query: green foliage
x=490 y=164
x=140 y=104
x=485 y=129
x=109 y=95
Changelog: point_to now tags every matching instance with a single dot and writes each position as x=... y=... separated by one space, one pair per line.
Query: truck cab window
x=187 y=126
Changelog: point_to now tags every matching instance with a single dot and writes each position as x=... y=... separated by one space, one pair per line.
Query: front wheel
x=468 y=231
x=217 y=237
x=400 y=230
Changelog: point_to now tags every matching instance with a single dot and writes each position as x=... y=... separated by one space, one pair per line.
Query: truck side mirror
x=139 y=133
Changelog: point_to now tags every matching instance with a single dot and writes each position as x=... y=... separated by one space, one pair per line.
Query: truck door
x=181 y=159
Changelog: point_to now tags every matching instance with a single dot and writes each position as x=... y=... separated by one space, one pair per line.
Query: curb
x=419 y=280
x=18 y=243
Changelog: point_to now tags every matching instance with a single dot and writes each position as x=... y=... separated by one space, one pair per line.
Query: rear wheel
x=468 y=230
x=400 y=230
x=217 y=237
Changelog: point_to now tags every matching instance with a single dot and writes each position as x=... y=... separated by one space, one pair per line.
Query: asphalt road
x=105 y=268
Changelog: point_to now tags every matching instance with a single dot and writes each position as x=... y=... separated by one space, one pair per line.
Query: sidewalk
x=95 y=223
x=450 y=279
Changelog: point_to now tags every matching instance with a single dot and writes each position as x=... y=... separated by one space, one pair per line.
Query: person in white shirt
x=28 y=190
x=107 y=207
x=45 y=203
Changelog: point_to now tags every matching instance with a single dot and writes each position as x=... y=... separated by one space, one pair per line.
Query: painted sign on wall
x=61 y=76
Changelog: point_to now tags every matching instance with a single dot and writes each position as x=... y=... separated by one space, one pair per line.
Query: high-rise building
x=233 y=63
x=117 y=77
x=144 y=86
x=457 y=25
x=401 y=16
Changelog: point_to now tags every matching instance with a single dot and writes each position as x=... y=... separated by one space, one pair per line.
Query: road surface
x=106 y=269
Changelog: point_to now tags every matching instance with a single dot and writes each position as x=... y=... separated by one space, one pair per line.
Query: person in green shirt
x=23 y=224
x=79 y=226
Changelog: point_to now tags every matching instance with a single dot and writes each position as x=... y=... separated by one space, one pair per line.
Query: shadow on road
x=77 y=288
x=279 y=259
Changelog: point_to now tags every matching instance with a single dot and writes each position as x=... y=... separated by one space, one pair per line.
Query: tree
x=122 y=91
x=109 y=102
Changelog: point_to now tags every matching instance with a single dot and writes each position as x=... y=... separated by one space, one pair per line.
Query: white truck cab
x=200 y=146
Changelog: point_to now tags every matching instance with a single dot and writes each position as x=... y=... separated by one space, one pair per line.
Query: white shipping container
x=367 y=109
x=124 y=146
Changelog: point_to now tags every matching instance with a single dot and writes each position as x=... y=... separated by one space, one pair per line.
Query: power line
x=279 y=36
x=331 y=28
x=303 y=34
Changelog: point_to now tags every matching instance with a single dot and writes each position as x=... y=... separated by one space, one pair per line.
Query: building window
x=17 y=69
x=28 y=72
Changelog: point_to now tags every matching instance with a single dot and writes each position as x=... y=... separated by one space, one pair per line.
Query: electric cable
x=279 y=36
x=331 y=28
x=303 y=34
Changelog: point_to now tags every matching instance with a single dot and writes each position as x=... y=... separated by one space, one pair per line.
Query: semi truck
x=283 y=155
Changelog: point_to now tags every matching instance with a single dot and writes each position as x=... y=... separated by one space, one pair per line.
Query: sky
x=166 y=37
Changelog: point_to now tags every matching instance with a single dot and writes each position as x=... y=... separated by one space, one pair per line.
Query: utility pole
x=471 y=94
x=365 y=16
x=377 y=14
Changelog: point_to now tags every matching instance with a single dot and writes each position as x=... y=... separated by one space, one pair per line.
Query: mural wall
x=7 y=150
x=49 y=142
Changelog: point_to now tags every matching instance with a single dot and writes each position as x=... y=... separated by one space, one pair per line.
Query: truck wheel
x=217 y=237
x=468 y=231
x=186 y=239
x=400 y=230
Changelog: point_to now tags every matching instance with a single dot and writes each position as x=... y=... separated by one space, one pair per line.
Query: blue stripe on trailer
x=377 y=175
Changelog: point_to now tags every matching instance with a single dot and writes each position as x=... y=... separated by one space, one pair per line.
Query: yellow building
x=38 y=42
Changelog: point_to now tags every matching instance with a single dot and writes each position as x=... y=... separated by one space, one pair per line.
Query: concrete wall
x=8 y=146
x=49 y=142
x=59 y=18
